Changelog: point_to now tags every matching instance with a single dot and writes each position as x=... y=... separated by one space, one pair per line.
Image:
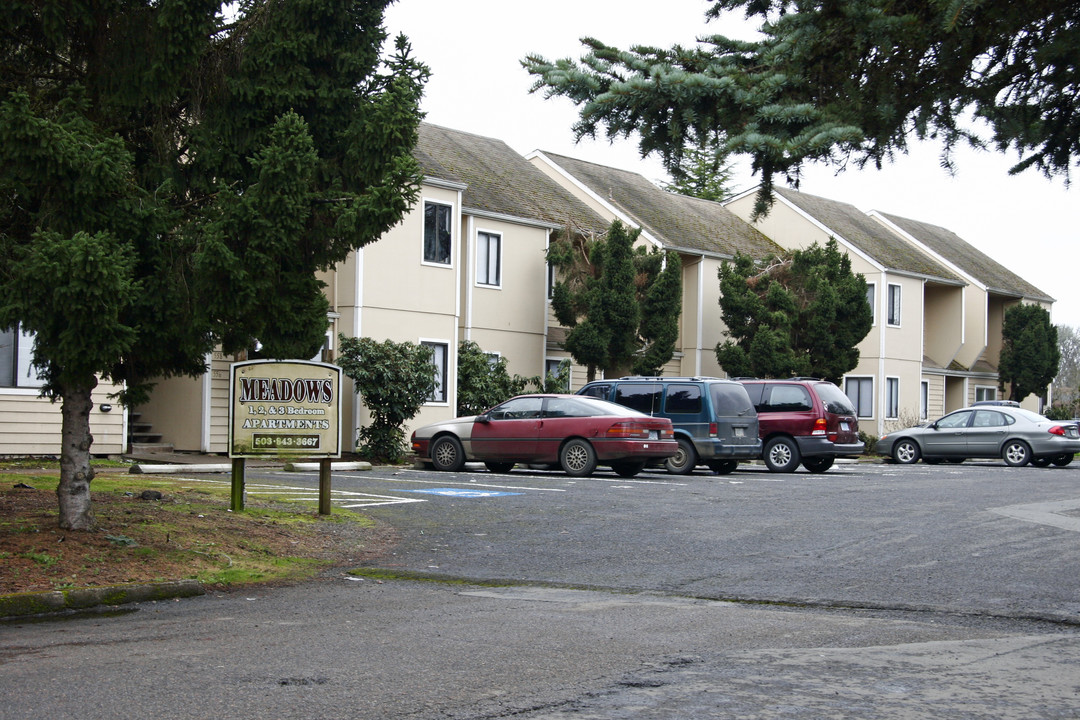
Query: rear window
x=643 y=397
x=683 y=400
x=731 y=400
x=597 y=391
x=834 y=399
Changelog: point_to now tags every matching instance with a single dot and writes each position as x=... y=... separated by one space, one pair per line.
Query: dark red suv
x=803 y=420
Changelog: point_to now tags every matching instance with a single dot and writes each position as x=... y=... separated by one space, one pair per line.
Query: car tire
x=818 y=464
x=499 y=467
x=683 y=461
x=577 y=458
x=906 y=452
x=723 y=467
x=1063 y=460
x=781 y=455
x=1041 y=462
x=447 y=454
x=1016 y=453
x=628 y=468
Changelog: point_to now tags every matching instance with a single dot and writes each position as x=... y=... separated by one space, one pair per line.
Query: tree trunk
x=75 y=471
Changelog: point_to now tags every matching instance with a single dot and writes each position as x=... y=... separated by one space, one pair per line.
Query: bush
x=393 y=380
x=483 y=380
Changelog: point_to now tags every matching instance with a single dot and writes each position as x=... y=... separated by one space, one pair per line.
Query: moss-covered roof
x=870 y=237
x=677 y=221
x=995 y=276
x=498 y=180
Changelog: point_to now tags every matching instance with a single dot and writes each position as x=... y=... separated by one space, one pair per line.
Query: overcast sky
x=474 y=48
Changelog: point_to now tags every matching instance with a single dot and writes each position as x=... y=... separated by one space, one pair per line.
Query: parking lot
x=979 y=537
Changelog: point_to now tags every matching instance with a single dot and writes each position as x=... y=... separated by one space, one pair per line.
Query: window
x=987 y=418
x=956 y=420
x=894 y=305
x=437 y=236
x=871 y=297
x=559 y=369
x=787 y=398
x=488 y=259
x=861 y=392
x=550 y=280
x=643 y=397
x=683 y=400
x=892 y=397
x=924 y=400
x=438 y=358
x=983 y=392
x=16 y=356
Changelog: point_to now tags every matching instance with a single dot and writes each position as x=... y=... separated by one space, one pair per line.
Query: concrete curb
x=39 y=603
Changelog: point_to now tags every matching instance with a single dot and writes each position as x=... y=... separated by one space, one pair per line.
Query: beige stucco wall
x=30 y=425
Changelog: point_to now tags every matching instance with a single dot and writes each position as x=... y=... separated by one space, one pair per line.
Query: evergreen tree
x=803 y=313
x=705 y=171
x=621 y=305
x=840 y=81
x=171 y=181
x=1029 y=351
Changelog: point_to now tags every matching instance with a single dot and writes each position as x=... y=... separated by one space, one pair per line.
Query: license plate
x=1073 y=433
x=844 y=426
x=654 y=435
x=740 y=432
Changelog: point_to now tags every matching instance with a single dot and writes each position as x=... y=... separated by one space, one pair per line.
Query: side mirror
x=485 y=418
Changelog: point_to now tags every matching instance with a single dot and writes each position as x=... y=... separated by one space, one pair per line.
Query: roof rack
x=667 y=377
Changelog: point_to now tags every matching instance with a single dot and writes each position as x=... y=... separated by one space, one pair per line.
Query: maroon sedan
x=572 y=431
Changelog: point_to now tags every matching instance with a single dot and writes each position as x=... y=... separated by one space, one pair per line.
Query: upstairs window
x=438 y=239
x=894 y=305
x=488 y=259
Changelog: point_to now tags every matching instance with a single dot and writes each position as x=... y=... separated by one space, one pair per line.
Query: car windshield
x=834 y=399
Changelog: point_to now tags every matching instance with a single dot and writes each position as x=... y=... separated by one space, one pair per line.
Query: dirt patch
x=184 y=534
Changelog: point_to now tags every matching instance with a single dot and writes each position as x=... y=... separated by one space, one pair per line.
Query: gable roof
x=678 y=222
x=498 y=180
x=947 y=244
x=868 y=236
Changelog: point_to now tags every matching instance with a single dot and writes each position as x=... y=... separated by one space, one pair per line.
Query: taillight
x=1057 y=430
x=713 y=430
x=667 y=434
x=628 y=430
x=820 y=426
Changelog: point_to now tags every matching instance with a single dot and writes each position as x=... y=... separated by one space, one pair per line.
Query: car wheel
x=781 y=455
x=1016 y=453
x=723 y=467
x=447 y=454
x=628 y=468
x=1041 y=461
x=818 y=464
x=499 y=467
x=1063 y=460
x=683 y=461
x=906 y=452
x=577 y=457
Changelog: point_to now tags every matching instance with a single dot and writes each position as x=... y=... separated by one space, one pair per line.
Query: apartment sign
x=285 y=409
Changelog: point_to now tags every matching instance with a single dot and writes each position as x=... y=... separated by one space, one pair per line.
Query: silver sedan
x=1015 y=435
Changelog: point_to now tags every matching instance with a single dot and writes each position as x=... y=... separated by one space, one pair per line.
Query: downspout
x=883 y=325
x=207 y=398
x=469 y=272
x=358 y=306
x=699 y=341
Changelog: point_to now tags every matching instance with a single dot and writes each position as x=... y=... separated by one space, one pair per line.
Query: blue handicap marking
x=460 y=492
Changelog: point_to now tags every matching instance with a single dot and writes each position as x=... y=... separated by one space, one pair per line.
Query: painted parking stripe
x=459 y=492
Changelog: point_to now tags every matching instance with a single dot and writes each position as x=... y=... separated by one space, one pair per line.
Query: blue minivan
x=715 y=422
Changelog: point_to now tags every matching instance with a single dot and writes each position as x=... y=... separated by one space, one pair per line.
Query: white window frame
x=924 y=399
x=21 y=356
x=441 y=394
x=552 y=363
x=861 y=379
x=483 y=258
x=892 y=398
x=985 y=392
x=871 y=297
x=897 y=304
x=423 y=235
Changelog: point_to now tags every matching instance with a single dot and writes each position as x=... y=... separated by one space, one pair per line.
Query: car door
x=948 y=436
x=563 y=417
x=987 y=432
x=508 y=431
